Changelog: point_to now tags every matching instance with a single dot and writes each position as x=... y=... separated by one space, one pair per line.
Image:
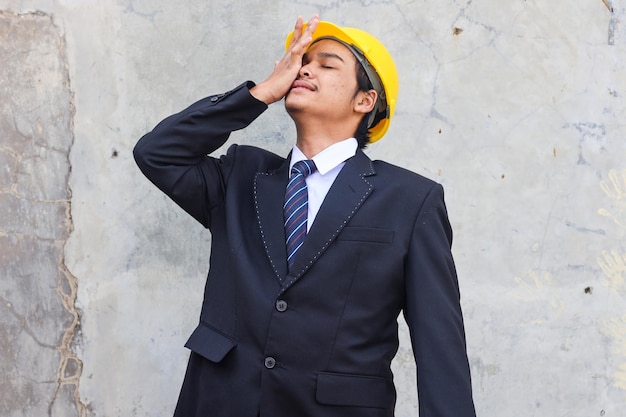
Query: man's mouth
x=298 y=84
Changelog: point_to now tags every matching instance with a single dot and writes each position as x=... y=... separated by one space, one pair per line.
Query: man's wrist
x=262 y=93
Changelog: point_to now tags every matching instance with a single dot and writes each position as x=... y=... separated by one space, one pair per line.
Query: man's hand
x=277 y=85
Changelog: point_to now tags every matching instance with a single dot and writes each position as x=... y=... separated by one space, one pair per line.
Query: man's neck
x=311 y=139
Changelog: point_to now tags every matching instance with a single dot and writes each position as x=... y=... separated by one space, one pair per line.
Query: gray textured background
x=516 y=107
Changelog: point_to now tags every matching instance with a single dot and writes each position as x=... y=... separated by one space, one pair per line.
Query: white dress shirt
x=328 y=162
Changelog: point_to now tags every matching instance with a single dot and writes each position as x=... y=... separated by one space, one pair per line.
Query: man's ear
x=365 y=101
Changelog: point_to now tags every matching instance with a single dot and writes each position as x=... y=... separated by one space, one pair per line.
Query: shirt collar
x=330 y=157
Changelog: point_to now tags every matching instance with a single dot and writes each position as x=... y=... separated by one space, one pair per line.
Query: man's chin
x=292 y=106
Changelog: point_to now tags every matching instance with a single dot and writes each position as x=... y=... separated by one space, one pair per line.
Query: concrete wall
x=516 y=107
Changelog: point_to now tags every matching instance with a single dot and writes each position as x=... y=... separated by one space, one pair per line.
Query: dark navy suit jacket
x=317 y=341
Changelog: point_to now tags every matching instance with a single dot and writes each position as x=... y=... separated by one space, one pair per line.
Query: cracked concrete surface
x=40 y=371
x=517 y=110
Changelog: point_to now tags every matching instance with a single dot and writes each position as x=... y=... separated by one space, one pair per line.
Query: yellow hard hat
x=378 y=65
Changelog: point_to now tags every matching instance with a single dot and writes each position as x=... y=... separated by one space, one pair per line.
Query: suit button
x=281 y=305
x=270 y=362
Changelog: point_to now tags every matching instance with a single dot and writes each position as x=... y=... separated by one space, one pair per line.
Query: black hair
x=362 y=134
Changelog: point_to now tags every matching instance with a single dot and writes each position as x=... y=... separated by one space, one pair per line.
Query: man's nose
x=305 y=71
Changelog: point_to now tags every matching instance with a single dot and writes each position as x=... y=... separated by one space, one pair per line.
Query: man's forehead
x=329 y=48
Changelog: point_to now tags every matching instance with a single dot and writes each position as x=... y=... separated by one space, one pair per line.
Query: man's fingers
x=302 y=38
x=307 y=34
x=297 y=30
x=312 y=25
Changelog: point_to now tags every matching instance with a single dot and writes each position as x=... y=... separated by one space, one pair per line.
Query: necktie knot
x=305 y=167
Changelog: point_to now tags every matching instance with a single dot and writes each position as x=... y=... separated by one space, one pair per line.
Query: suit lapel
x=344 y=198
x=269 y=194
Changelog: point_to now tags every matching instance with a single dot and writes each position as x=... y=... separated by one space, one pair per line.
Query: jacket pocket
x=209 y=343
x=352 y=390
x=366 y=234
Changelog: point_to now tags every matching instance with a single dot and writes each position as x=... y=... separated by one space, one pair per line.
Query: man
x=299 y=319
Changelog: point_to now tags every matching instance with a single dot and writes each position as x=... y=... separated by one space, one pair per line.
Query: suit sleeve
x=433 y=313
x=174 y=154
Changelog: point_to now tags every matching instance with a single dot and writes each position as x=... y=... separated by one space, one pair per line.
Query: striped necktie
x=296 y=207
